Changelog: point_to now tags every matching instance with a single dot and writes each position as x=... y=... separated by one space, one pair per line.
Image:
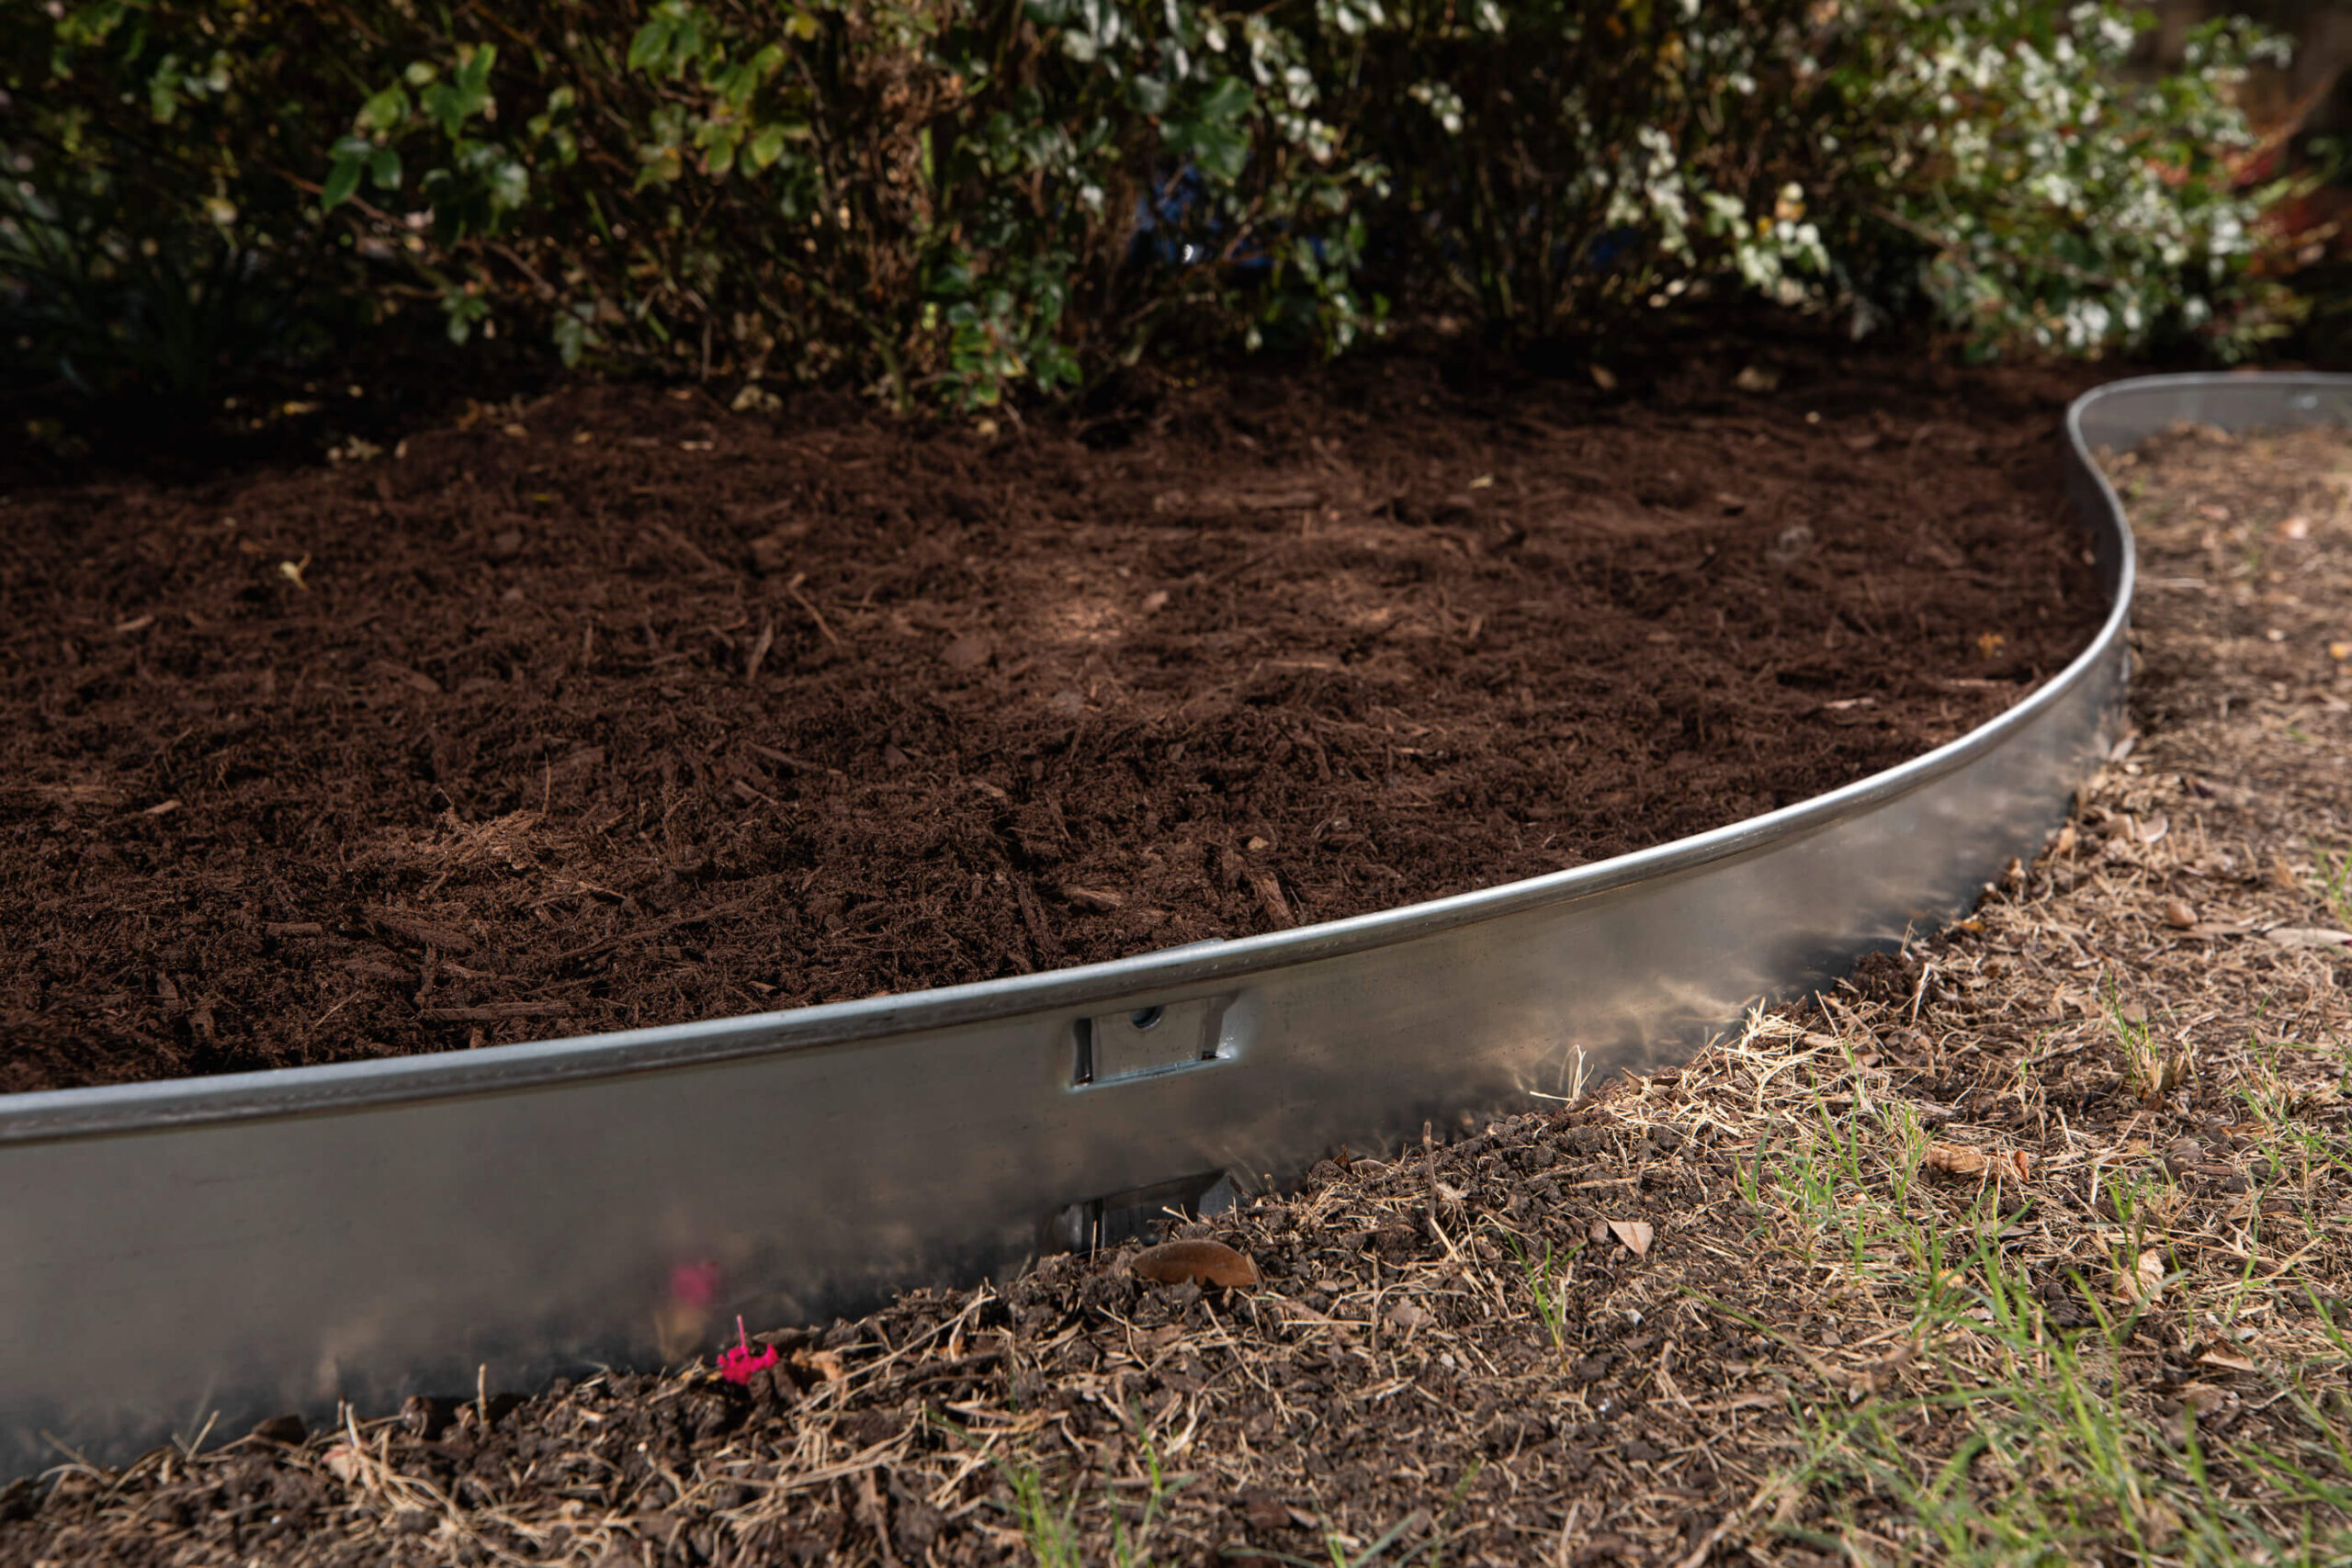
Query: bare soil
x=619 y=709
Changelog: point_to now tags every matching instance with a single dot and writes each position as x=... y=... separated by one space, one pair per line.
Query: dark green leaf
x=651 y=47
x=385 y=111
x=1148 y=95
x=1228 y=101
x=343 y=178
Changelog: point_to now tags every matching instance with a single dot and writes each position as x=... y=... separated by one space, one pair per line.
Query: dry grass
x=2029 y=1245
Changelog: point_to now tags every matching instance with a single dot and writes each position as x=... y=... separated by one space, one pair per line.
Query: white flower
x=1440 y=101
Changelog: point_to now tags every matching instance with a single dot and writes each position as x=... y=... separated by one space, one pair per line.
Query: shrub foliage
x=950 y=200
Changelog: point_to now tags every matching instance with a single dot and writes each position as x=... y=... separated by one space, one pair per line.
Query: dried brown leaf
x=2202 y=1397
x=1209 y=1262
x=2309 y=936
x=1956 y=1160
x=1406 y=1317
x=1636 y=1234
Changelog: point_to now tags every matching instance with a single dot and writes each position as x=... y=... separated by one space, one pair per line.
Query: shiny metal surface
x=269 y=1242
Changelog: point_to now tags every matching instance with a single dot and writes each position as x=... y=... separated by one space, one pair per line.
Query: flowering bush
x=2001 y=160
x=943 y=194
x=950 y=200
x=1547 y=164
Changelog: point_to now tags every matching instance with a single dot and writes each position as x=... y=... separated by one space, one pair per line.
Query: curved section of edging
x=409 y=1079
x=269 y=1242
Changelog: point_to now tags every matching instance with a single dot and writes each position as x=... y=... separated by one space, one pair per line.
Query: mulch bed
x=619 y=708
x=1648 y=1328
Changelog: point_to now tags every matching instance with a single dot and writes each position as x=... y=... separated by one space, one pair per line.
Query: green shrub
x=1991 y=162
x=949 y=200
x=1561 y=162
x=1999 y=160
x=146 y=229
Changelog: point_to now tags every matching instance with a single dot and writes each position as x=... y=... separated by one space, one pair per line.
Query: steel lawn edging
x=207 y=1252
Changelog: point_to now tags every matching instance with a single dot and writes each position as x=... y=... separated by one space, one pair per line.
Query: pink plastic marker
x=739 y=1361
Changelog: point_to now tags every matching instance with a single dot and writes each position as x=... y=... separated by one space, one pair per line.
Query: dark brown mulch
x=619 y=708
x=1750 y=1368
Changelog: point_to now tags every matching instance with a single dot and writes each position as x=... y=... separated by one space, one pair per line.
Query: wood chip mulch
x=1658 y=1324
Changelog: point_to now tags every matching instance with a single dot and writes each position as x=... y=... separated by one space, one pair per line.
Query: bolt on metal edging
x=266 y=1242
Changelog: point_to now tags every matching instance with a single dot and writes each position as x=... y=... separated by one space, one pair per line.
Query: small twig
x=793 y=588
x=1919 y=992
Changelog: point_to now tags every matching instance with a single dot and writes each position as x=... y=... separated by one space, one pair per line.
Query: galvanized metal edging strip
x=81 y=1112
x=266 y=1242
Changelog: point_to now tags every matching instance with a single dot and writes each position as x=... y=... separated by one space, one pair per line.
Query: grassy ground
x=2027 y=1245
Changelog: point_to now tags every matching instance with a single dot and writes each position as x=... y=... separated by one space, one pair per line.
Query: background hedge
x=950 y=200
